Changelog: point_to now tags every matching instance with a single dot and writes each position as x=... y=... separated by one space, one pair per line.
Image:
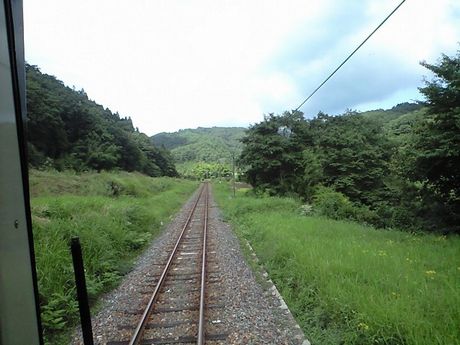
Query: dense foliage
x=66 y=130
x=203 y=152
x=203 y=170
x=210 y=145
x=436 y=145
x=397 y=168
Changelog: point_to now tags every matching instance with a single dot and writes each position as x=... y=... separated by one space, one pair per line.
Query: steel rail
x=138 y=332
x=201 y=335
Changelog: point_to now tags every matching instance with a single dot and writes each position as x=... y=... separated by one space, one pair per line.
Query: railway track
x=182 y=307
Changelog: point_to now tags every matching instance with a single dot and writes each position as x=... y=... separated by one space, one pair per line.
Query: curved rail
x=138 y=332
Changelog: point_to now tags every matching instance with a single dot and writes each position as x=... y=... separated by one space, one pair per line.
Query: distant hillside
x=211 y=145
x=67 y=130
x=388 y=115
x=217 y=144
x=398 y=122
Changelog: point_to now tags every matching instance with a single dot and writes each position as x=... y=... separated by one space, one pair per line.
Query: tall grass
x=114 y=214
x=351 y=284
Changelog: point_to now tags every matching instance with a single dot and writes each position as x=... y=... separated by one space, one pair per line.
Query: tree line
x=203 y=152
x=398 y=171
x=67 y=130
x=210 y=145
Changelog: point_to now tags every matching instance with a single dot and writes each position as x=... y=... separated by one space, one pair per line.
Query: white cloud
x=175 y=64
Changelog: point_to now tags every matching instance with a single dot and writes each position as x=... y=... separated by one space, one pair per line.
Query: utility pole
x=233 y=172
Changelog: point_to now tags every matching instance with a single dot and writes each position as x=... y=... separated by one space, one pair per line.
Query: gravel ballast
x=248 y=312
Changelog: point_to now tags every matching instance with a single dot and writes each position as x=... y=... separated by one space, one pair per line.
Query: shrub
x=329 y=203
x=332 y=204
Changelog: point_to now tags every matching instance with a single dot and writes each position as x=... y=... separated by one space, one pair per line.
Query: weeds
x=113 y=229
x=350 y=284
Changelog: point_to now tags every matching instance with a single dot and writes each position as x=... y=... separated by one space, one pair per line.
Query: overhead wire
x=349 y=56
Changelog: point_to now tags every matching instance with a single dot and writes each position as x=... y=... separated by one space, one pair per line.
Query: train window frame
x=19 y=303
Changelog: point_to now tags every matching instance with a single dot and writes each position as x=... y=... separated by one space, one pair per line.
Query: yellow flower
x=363 y=326
x=430 y=274
x=382 y=253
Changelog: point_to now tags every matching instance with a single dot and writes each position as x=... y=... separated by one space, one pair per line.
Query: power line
x=349 y=56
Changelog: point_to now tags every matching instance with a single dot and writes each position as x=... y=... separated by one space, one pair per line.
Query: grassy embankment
x=351 y=284
x=114 y=214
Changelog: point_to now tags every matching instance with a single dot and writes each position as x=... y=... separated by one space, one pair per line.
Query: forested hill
x=211 y=145
x=67 y=130
x=218 y=144
x=387 y=118
x=208 y=152
x=398 y=168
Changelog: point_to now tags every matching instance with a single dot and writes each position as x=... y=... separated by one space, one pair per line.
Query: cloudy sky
x=171 y=64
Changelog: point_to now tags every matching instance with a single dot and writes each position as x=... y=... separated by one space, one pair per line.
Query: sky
x=174 y=64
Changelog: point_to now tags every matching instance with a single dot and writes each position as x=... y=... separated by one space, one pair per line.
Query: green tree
x=354 y=154
x=272 y=152
x=313 y=173
x=102 y=153
x=46 y=130
x=66 y=130
x=437 y=138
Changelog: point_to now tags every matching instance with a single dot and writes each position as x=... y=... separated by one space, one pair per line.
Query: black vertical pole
x=82 y=295
x=233 y=172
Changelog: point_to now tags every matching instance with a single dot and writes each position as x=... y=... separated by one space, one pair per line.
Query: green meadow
x=351 y=284
x=115 y=215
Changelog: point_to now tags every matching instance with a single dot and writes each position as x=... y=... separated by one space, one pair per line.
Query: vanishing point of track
x=176 y=310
